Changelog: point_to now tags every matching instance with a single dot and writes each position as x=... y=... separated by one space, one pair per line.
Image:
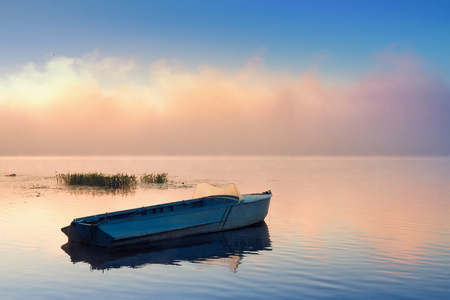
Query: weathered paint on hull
x=193 y=217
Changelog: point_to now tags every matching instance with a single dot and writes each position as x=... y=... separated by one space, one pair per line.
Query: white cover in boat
x=206 y=189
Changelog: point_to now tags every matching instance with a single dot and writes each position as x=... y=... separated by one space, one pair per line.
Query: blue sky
x=312 y=77
x=290 y=35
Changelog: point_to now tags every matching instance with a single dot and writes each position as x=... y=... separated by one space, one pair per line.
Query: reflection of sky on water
x=389 y=213
x=338 y=226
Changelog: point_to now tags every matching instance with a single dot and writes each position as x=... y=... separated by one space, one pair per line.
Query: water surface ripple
x=338 y=227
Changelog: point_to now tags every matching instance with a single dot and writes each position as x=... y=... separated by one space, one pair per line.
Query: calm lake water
x=338 y=227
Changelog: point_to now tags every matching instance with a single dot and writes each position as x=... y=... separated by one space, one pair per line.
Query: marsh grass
x=154 y=178
x=118 y=181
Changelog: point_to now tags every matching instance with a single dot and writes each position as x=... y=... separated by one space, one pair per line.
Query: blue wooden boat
x=212 y=209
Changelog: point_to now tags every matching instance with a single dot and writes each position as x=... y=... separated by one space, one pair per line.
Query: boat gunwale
x=115 y=213
x=116 y=219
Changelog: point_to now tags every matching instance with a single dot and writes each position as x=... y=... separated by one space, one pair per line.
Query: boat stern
x=86 y=233
x=66 y=230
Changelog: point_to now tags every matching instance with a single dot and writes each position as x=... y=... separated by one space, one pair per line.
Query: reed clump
x=118 y=181
x=154 y=178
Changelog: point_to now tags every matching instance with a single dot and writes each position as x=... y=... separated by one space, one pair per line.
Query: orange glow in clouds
x=109 y=105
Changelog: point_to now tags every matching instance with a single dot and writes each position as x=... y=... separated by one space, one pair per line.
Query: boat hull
x=169 y=221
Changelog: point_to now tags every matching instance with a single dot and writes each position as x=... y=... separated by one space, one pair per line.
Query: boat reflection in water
x=226 y=249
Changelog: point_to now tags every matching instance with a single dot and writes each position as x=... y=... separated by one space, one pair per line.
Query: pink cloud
x=98 y=105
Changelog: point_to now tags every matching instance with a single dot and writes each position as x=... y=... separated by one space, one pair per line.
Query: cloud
x=111 y=105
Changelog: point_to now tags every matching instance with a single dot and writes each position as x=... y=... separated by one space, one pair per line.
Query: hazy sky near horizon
x=225 y=77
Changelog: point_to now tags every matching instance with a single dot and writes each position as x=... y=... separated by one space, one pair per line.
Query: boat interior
x=155 y=210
